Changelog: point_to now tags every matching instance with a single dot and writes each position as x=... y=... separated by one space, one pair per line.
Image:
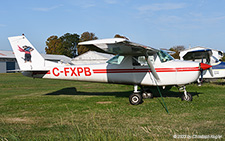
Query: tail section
x=27 y=56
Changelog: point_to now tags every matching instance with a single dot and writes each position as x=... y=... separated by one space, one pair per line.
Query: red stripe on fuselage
x=145 y=70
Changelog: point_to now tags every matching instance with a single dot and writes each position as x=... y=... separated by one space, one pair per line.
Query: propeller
x=206 y=66
x=203 y=67
x=201 y=71
x=209 y=62
x=210 y=71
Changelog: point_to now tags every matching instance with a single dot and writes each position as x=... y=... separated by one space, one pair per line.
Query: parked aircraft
x=134 y=64
x=205 y=56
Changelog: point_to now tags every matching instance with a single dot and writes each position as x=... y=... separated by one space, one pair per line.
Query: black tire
x=188 y=98
x=135 y=99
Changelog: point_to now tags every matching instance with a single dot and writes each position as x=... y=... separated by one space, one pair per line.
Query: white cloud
x=46 y=9
x=161 y=6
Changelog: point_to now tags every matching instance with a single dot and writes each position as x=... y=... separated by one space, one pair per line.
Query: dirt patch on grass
x=104 y=102
x=18 y=120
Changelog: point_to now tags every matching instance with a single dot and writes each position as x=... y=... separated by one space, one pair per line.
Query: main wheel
x=135 y=99
x=147 y=94
x=188 y=98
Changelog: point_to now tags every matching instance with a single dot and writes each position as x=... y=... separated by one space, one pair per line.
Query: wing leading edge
x=118 y=46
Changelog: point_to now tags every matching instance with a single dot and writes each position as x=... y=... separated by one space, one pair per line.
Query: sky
x=155 y=23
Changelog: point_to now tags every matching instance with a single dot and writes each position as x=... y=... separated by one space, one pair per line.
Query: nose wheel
x=186 y=96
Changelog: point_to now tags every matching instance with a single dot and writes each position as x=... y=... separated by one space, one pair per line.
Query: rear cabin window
x=116 y=60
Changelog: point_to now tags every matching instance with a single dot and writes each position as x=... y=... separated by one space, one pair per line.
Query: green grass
x=40 y=109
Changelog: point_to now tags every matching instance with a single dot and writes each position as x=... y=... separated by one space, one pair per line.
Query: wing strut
x=154 y=73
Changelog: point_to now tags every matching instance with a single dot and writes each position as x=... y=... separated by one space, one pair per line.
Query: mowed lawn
x=41 y=109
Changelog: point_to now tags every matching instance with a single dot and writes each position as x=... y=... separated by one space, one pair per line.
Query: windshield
x=116 y=60
x=164 y=56
x=214 y=60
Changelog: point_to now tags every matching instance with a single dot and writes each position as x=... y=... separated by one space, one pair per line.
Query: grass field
x=40 y=109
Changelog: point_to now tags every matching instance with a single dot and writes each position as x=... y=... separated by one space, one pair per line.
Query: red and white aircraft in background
x=134 y=64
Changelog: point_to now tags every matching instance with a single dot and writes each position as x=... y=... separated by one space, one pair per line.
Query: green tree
x=64 y=45
x=223 y=58
x=177 y=50
x=86 y=36
x=120 y=36
x=69 y=44
x=54 y=45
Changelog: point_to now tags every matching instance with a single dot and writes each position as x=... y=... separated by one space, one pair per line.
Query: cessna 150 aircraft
x=134 y=64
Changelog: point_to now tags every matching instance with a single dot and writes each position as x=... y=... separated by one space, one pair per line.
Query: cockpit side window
x=164 y=56
x=116 y=60
x=135 y=61
x=141 y=60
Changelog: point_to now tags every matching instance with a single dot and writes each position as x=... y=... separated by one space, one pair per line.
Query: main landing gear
x=137 y=96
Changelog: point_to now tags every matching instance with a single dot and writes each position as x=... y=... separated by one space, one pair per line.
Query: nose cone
x=204 y=66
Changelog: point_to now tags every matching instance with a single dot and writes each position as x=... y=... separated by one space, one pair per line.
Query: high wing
x=118 y=46
x=198 y=54
x=123 y=47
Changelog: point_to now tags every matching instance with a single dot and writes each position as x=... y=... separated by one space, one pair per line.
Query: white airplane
x=134 y=64
x=206 y=56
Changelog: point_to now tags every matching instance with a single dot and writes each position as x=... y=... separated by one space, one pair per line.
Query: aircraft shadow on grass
x=219 y=83
x=73 y=91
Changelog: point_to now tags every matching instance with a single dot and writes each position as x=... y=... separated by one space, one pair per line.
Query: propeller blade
x=203 y=67
x=210 y=71
x=209 y=62
x=154 y=73
x=201 y=78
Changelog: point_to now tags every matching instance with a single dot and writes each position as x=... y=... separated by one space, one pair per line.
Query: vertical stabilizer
x=27 y=56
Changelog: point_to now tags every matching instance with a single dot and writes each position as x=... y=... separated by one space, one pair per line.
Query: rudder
x=26 y=55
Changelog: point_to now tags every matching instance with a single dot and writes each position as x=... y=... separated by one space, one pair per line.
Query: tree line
x=68 y=44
